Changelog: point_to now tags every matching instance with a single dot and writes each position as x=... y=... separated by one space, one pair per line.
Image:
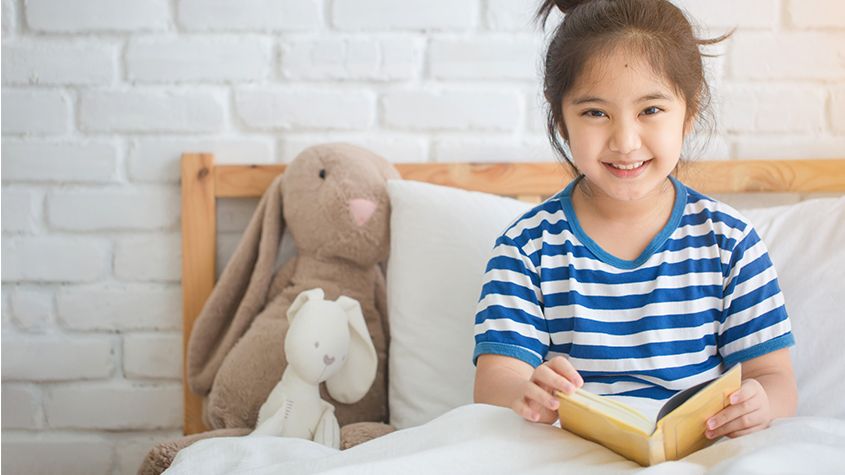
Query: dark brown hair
x=655 y=30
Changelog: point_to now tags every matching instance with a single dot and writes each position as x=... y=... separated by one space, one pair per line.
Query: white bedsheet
x=488 y=440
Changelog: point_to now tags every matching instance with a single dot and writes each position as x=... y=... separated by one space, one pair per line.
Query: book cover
x=677 y=432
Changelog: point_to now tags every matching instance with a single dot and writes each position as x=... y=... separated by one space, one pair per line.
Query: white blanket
x=488 y=440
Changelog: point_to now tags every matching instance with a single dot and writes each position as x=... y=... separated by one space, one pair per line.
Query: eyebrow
x=647 y=97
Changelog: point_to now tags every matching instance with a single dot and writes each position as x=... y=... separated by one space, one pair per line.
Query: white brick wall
x=99 y=98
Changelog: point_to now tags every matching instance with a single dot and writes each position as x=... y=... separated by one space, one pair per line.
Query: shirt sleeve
x=509 y=317
x=754 y=321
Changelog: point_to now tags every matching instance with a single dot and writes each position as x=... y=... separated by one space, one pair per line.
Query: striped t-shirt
x=702 y=297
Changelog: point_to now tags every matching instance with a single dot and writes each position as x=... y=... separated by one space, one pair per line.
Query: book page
x=683 y=428
x=578 y=416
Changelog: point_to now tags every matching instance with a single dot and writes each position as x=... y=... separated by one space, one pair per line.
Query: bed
x=431 y=397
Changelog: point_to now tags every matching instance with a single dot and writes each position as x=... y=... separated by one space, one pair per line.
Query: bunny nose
x=328 y=360
x=362 y=210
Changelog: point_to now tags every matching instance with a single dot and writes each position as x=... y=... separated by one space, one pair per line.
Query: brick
x=81 y=16
x=32 y=307
x=837 y=109
x=149 y=258
x=114 y=407
x=120 y=307
x=507 y=15
x=152 y=111
x=295 y=109
x=212 y=59
x=9 y=18
x=760 y=109
x=48 y=454
x=379 y=59
x=408 y=15
x=54 y=259
x=505 y=57
x=785 y=146
x=21 y=208
x=60 y=162
x=395 y=149
x=59 y=62
x=250 y=15
x=145 y=209
x=535 y=112
x=452 y=110
x=152 y=356
x=816 y=13
x=21 y=407
x=725 y=14
x=486 y=150
x=57 y=358
x=707 y=146
x=35 y=112
x=788 y=55
x=157 y=160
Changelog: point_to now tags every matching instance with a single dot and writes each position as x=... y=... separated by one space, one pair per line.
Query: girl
x=628 y=282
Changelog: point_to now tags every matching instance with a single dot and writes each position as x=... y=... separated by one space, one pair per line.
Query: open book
x=677 y=432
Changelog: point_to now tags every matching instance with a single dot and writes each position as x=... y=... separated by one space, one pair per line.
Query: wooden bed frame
x=203 y=182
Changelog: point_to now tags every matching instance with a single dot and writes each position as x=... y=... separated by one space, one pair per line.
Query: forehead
x=619 y=77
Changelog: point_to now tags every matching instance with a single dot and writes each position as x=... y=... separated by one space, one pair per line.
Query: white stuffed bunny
x=326 y=341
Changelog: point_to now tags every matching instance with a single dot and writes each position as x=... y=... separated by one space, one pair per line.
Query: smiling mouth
x=627 y=166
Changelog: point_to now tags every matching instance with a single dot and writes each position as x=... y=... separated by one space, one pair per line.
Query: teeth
x=630 y=166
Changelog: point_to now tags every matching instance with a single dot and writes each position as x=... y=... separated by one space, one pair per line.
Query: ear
x=354 y=379
x=240 y=294
x=301 y=299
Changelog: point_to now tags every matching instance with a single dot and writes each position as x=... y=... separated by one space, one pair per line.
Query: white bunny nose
x=328 y=360
x=362 y=210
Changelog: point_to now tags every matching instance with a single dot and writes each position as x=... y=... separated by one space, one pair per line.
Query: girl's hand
x=537 y=402
x=749 y=412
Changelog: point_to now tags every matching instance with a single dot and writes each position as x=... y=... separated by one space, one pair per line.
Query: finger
x=563 y=367
x=541 y=395
x=732 y=412
x=542 y=414
x=521 y=408
x=745 y=392
x=744 y=421
x=551 y=380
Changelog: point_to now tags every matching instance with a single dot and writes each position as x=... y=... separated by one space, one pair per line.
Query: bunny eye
x=316 y=344
x=323 y=173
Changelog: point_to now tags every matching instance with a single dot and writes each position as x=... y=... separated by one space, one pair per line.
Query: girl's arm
x=509 y=382
x=768 y=392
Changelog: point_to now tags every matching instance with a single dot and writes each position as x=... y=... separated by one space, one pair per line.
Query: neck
x=628 y=212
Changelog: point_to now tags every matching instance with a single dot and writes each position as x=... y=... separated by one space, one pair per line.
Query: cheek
x=586 y=143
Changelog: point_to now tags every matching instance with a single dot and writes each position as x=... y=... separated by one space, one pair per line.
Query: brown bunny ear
x=240 y=294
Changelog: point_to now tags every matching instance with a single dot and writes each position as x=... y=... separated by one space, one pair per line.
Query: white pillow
x=440 y=240
x=806 y=243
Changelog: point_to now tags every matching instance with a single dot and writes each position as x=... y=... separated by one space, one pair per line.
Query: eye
x=323 y=173
x=316 y=344
x=652 y=110
x=594 y=113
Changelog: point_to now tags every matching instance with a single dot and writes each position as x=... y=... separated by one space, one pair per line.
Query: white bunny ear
x=301 y=299
x=354 y=379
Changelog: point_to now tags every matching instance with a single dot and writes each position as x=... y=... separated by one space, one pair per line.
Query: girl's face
x=626 y=128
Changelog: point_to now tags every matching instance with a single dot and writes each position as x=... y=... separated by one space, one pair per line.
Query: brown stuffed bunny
x=335 y=204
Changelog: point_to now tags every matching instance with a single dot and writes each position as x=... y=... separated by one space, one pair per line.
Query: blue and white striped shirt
x=702 y=297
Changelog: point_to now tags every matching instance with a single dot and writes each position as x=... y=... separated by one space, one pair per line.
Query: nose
x=362 y=210
x=625 y=138
x=328 y=360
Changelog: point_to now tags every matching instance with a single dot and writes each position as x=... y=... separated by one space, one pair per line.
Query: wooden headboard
x=203 y=182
